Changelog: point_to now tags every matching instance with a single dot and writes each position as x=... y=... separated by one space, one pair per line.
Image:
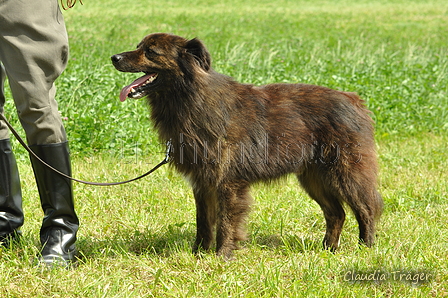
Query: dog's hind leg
x=331 y=206
x=234 y=203
x=356 y=185
x=206 y=208
x=367 y=205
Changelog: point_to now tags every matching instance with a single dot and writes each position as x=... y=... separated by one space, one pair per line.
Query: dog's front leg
x=205 y=198
x=233 y=206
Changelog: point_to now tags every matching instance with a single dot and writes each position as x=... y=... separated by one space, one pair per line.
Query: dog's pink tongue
x=127 y=89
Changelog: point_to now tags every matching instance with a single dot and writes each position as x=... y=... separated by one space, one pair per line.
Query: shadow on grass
x=137 y=243
x=180 y=239
x=285 y=243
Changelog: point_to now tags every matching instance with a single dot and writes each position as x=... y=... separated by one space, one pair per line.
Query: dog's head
x=163 y=58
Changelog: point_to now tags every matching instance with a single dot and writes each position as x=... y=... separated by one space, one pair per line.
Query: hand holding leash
x=70 y=4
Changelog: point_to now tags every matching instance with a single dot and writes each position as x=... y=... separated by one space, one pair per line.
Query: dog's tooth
x=132 y=90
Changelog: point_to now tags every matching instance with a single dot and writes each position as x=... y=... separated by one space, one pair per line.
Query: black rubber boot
x=11 y=214
x=60 y=223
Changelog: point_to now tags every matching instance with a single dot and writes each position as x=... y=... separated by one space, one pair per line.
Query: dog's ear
x=196 y=48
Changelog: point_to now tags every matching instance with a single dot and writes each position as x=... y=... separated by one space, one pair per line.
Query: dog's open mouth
x=137 y=88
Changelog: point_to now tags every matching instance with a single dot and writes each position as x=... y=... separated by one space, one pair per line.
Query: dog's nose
x=116 y=58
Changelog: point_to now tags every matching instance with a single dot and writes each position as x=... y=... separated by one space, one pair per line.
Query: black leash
x=14 y=132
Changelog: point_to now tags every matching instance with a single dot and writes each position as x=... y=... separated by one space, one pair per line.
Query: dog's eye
x=150 y=52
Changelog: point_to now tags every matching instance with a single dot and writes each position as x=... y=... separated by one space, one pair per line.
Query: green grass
x=135 y=240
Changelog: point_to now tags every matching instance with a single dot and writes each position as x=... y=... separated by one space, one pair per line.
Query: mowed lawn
x=135 y=240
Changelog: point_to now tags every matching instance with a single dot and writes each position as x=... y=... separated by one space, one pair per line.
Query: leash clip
x=169 y=147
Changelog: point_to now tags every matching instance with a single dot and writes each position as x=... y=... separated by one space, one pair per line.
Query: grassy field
x=135 y=240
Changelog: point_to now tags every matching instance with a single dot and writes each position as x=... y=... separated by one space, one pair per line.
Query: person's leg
x=60 y=223
x=11 y=214
x=4 y=133
x=34 y=51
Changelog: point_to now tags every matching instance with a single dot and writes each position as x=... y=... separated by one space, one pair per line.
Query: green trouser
x=33 y=53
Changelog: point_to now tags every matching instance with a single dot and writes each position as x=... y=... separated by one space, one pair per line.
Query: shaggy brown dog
x=228 y=135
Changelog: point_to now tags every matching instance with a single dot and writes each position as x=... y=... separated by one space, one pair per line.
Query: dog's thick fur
x=227 y=135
